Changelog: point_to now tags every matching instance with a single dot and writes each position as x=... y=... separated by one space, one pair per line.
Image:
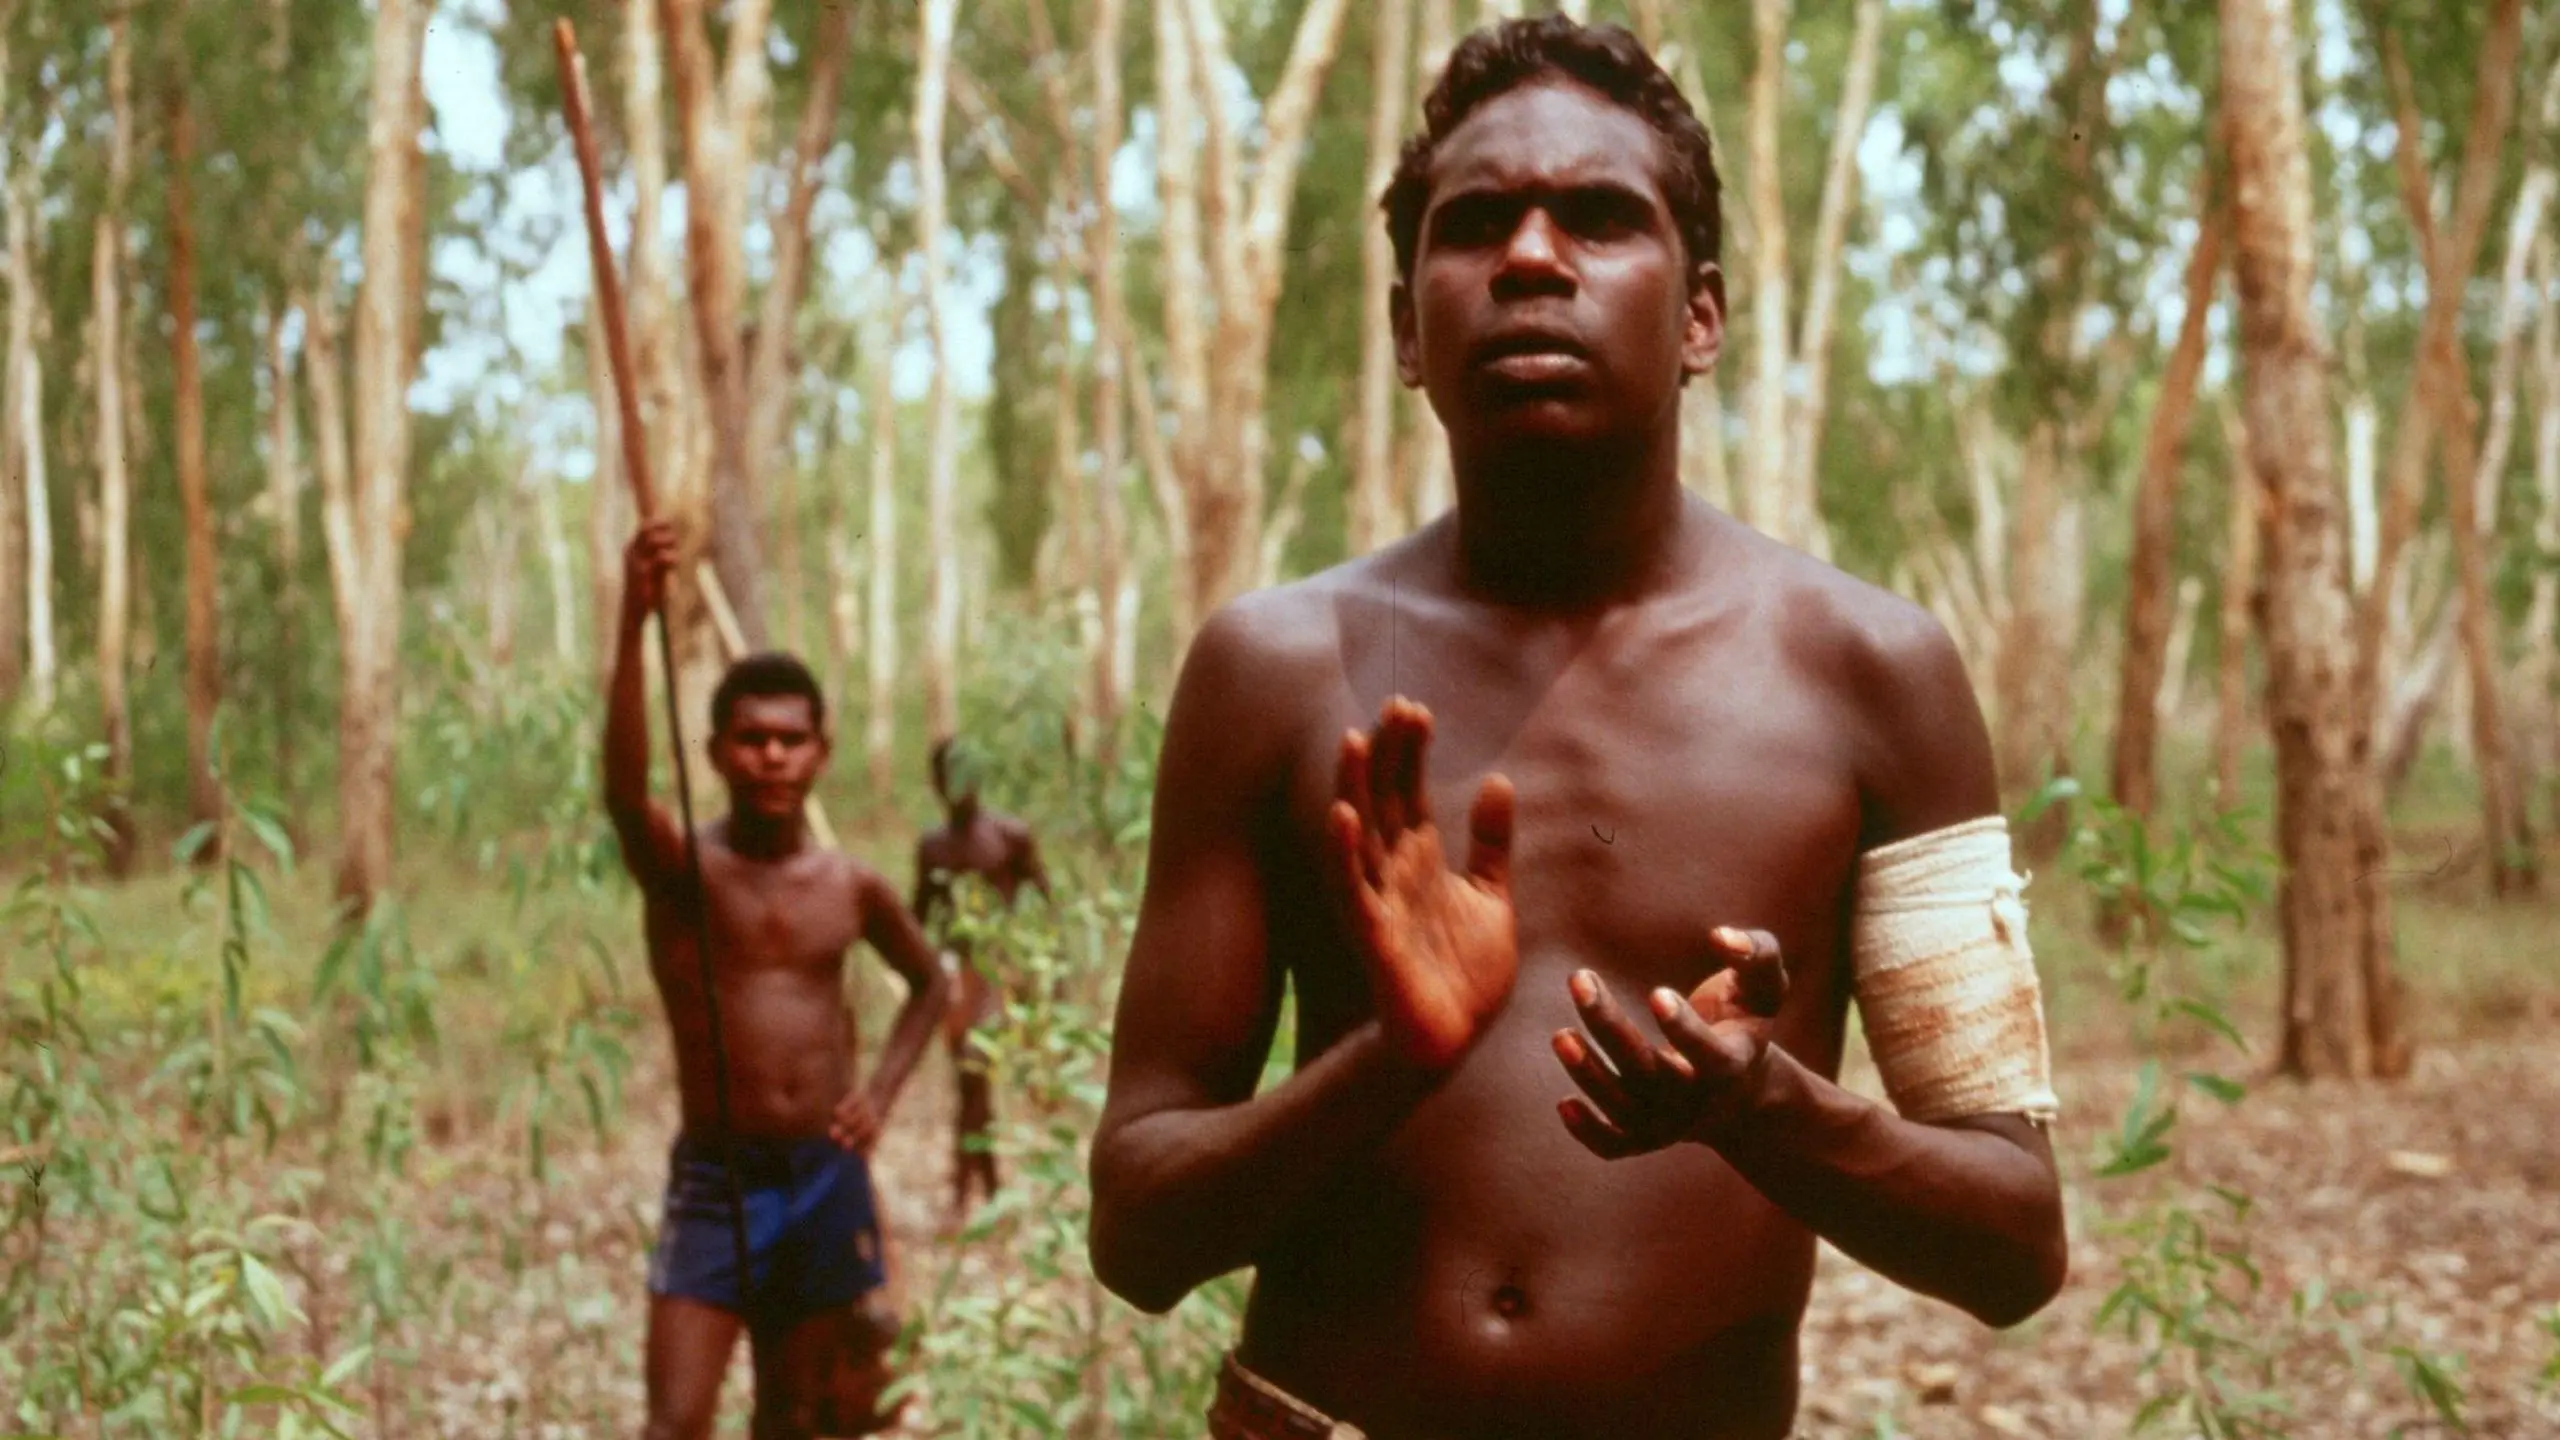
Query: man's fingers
x=1592 y=1073
x=1412 y=775
x=1596 y=1134
x=1489 y=834
x=1349 y=843
x=1626 y=1047
x=1759 y=969
x=1694 y=1040
x=1351 y=775
x=1389 y=754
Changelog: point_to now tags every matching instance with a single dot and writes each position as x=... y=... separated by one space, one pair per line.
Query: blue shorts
x=813 y=1228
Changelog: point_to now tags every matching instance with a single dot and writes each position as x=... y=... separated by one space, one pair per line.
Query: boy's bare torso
x=780 y=930
x=1692 y=761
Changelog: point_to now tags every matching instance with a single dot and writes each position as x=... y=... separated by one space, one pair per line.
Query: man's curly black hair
x=1605 y=59
x=770 y=672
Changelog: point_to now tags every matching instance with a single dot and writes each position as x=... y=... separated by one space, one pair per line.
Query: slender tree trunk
x=715 y=170
x=771 y=376
x=204 y=661
x=373 y=497
x=1702 y=446
x=1372 y=510
x=2451 y=254
x=284 y=511
x=1108 y=574
x=2341 y=1010
x=1765 y=445
x=115 y=481
x=2542 y=613
x=13 y=368
x=1245 y=224
x=942 y=497
x=880 y=411
x=35 y=500
x=556 y=564
x=2182 y=639
x=2363 y=430
x=2472 y=487
x=1822 y=296
x=2155 y=516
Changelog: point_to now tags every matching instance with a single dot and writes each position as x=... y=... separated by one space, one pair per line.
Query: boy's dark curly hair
x=1605 y=59
x=770 y=672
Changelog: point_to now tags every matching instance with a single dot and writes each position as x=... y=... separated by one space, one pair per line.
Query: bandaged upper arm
x=1945 y=980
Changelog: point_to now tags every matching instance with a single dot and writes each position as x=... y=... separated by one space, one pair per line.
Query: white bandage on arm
x=1945 y=980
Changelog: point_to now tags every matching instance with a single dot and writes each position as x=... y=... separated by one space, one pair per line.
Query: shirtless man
x=998 y=849
x=783 y=912
x=1676 y=745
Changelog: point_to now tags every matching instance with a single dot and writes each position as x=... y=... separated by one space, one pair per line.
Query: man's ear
x=1408 y=338
x=1703 y=344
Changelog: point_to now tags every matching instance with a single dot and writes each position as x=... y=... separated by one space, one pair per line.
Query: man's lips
x=1530 y=357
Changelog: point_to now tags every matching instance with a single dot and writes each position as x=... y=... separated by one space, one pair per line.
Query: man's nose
x=1535 y=256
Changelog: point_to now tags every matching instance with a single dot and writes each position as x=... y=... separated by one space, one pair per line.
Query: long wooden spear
x=635 y=463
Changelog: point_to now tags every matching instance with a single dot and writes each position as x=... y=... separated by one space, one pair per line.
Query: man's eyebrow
x=1594 y=188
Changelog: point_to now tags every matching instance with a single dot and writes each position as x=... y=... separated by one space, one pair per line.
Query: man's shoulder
x=1852 y=629
x=1272 y=640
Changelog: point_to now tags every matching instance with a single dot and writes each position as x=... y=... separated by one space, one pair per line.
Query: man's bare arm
x=894 y=933
x=1968 y=1211
x=652 y=849
x=1193 y=1173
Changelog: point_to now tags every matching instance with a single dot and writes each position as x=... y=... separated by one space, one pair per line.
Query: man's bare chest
x=774 y=919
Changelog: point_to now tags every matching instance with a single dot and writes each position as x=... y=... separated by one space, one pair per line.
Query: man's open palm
x=1441 y=945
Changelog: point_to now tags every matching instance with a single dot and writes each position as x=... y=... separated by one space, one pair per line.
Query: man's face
x=1551 y=300
x=770 y=754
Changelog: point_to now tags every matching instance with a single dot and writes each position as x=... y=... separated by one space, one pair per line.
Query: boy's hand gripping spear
x=635 y=463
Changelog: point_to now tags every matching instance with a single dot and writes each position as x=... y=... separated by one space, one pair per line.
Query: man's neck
x=1567 y=528
x=757 y=838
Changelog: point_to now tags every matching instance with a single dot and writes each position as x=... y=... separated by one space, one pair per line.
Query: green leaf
x=2212 y=1019
x=2228 y=1091
x=271 y=835
x=192 y=844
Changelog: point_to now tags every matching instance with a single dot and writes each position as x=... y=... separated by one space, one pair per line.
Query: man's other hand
x=1639 y=1097
x=857 y=1122
x=1441 y=946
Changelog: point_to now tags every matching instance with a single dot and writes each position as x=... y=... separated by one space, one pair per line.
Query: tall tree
x=942 y=500
x=108 y=362
x=284 y=513
x=880 y=412
x=1222 y=241
x=203 y=632
x=719 y=116
x=367 y=524
x=29 y=627
x=2341 y=1008
x=1109 y=576
x=1372 y=517
x=2135 y=781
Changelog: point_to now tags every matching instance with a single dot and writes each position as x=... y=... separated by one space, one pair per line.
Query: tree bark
x=1372 y=518
x=115 y=480
x=554 y=532
x=34 y=518
x=1822 y=296
x=2239 y=584
x=284 y=512
x=1764 y=454
x=372 y=504
x=2341 y=1008
x=2472 y=488
x=2155 y=514
x=204 y=661
x=1108 y=574
x=942 y=496
x=2542 y=612
x=880 y=411
x=1245 y=226
x=772 y=378
x=1424 y=488
x=2451 y=254
x=715 y=170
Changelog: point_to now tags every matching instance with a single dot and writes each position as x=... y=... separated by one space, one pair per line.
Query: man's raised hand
x=1441 y=946
x=1638 y=1097
x=645 y=565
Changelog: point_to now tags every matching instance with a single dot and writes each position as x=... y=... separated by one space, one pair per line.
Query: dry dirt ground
x=2438 y=1198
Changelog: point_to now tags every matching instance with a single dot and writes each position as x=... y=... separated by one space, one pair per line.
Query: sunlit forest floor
x=2398 y=1236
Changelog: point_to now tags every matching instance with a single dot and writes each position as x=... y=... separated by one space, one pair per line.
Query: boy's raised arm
x=652 y=849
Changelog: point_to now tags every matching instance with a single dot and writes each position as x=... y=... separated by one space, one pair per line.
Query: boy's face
x=770 y=754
